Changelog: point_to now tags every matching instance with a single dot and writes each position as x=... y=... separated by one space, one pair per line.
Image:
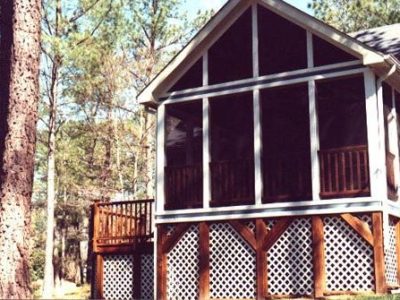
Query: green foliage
x=97 y=55
x=354 y=15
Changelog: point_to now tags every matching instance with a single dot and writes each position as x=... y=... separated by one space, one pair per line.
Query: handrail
x=122 y=222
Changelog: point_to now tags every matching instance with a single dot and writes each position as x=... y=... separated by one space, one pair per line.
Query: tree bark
x=19 y=96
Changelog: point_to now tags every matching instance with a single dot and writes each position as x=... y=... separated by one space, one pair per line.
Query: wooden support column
x=137 y=274
x=318 y=256
x=398 y=249
x=261 y=261
x=379 y=258
x=204 y=261
x=99 y=276
x=161 y=264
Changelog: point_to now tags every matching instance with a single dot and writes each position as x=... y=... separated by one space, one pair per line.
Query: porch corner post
x=379 y=258
x=161 y=271
x=318 y=256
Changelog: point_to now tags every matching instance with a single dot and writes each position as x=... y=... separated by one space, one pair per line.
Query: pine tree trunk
x=19 y=96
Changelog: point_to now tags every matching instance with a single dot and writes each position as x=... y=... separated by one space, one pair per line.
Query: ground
x=69 y=290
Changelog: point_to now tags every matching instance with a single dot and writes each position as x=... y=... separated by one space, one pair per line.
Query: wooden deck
x=122 y=225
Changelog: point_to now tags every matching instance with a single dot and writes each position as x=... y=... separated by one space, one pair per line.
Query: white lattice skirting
x=119 y=277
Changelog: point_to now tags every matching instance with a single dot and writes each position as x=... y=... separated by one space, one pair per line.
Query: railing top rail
x=124 y=202
x=347 y=148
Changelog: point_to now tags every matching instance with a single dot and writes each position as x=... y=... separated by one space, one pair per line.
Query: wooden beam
x=261 y=261
x=96 y=225
x=275 y=233
x=245 y=233
x=360 y=227
x=398 y=249
x=137 y=274
x=171 y=241
x=161 y=265
x=318 y=256
x=99 y=274
x=204 y=262
x=379 y=258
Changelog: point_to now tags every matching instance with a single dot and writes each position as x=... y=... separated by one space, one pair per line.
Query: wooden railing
x=287 y=177
x=344 y=172
x=122 y=223
x=183 y=187
x=232 y=182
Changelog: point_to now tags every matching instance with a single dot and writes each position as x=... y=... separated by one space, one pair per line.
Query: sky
x=194 y=5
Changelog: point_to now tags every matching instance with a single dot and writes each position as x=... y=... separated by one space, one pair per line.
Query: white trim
x=395 y=139
x=269 y=85
x=375 y=170
x=381 y=158
x=310 y=50
x=257 y=121
x=277 y=75
x=161 y=160
x=206 y=155
x=315 y=209
x=205 y=69
x=256 y=68
x=281 y=205
x=314 y=141
x=393 y=208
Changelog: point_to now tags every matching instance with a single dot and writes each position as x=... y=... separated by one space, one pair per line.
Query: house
x=277 y=164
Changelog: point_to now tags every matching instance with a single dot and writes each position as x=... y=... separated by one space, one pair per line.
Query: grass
x=68 y=291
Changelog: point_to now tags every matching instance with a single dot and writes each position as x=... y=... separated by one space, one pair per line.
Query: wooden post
x=204 y=261
x=137 y=274
x=379 y=258
x=96 y=225
x=261 y=261
x=318 y=256
x=398 y=249
x=99 y=276
x=161 y=265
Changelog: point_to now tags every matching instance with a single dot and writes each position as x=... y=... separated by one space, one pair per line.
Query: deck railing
x=344 y=172
x=232 y=182
x=183 y=187
x=287 y=177
x=122 y=223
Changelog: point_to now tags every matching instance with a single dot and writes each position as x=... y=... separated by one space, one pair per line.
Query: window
x=282 y=44
x=230 y=58
x=232 y=150
x=326 y=53
x=343 y=152
x=286 y=144
x=191 y=79
x=184 y=155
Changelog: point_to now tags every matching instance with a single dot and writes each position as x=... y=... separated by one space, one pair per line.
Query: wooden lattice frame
x=260 y=238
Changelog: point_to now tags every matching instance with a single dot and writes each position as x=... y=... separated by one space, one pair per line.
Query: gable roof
x=230 y=12
x=385 y=39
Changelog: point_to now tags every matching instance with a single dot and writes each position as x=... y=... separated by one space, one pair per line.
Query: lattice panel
x=118 y=277
x=232 y=264
x=348 y=258
x=290 y=265
x=147 y=277
x=183 y=267
x=390 y=254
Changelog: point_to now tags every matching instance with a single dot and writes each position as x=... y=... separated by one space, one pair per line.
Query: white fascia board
x=316 y=208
